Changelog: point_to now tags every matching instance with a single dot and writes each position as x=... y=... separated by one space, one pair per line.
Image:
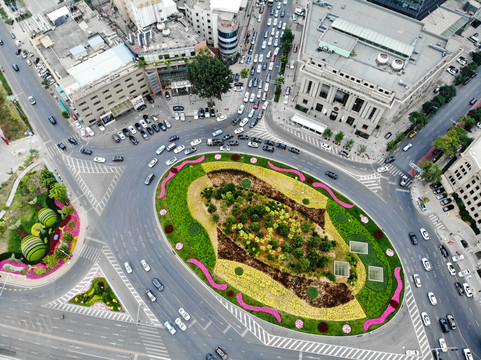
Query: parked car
x=447 y=208
x=451 y=268
x=443 y=250
x=388 y=135
x=464 y=273
x=150 y=295
x=86 y=151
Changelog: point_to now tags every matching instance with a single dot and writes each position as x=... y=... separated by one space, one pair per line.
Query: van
x=171 y=147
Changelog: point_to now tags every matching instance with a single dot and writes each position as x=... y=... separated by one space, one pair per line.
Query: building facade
x=145 y=13
x=417 y=9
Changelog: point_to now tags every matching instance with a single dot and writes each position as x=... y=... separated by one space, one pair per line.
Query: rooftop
x=227 y=6
x=351 y=35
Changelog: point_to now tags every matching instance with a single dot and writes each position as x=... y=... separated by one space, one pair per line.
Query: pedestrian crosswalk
x=436 y=221
x=372 y=182
x=54 y=150
x=410 y=302
x=90 y=253
x=153 y=343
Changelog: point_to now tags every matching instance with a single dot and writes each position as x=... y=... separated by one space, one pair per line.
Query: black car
x=238 y=84
x=236 y=77
x=269 y=142
x=158 y=285
x=62 y=146
x=116 y=138
x=444 y=325
x=217 y=142
x=253 y=71
x=167 y=95
x=118 y=158
x=86 y=151
x=268 y=148
x=1 y=42
x=445 y=202
x=72 y=141
x=138 y=127
x=236 y=121
x=178 y=108
x=221 y=352
x=212 y=112
x=149 y=130
x=464 y=243
x=149 y=98
x=390 y=159
x=414 y=239
x=435 y=185
x=233 y=143
x=133 y=140
x=173 y=138
x=473 y=101
x=146 y=118
x=228 y=136
x=447 y=208
x=144 y=135
x=344 y=153
x=438 y=190
x=294 y=150
x=281 y=146
x=142 y=107
x=331 y=174
x=156 y=127
x=253 y=122
x=52 y=120
x=459 y=288
x=256 y=139
x=243 y=137
x=18 y=51
x=443 y=250
x=126 y=132
x=251 y=49
x=162 y=126
x=201 y=113
x=388 y=135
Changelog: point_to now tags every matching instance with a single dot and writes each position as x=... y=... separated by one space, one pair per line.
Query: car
x=182 y=116
x=177 y=116
x=149 y=130
x=209 y=357
x=268 y=148
x=252 y=144
x=180 y=324
x=426 y=264
x=212 y=112
x=281 y=146
x=447 y=208
x=256 y=104
x=459 y=288
x=178 y=149
x=242 y=60
x=99 y=159
x=444 y=325
x=190 y=150
x=243 y=137
x=286 y=99
x=72 y=140
x=160 y=150
x=382 y=169
x=403 y=180
x=407 y=147
x=452 y=323
x=436 y=355
x=253 y=122
x=144 y=135
x=467 y=354
x=169 y=327
x=239 y=130
x=184 y=314
x=162 y=126
x=167 y=95
x=196 y=142
x=412 y=352
x=241 y=109
x=445 y=202
x=32 y=100
x=235 y=121
x=133 y=140
x=196 y=114
x=432 y=298
x=442 y=345
x=244 y=122
x=224 y=148
x=132 y=130
x=171 y=161
x=86 y=151
x=464 y=273
x=451 y=268
x=156 y=127
x=126 y=132
x=145 y=265
x=15 y=67
x=149 y=179
x=388 y=135
x=438 y=190
x=150 y=295
x=62 y=146
x=331 y=174
x=442 y=196
x=143 y=124
x=426 y=319
x=473 y=101
x=89 y=131
x=424 y=233
x=221 y=352
x=116 y=138
x=173 y=138
x=217 y=132
x=222 y=117
x=201 y=113
x=120 y=134
x=233 y=143
x=178 y=108
x=326 y=146
x=435 y=185
x=412 y=134
x=227 y=137
x=294 y=150
x=118 y=158
x=464 y=243
x=288 y=90
x=207 y=112
x=153 y=162
x=443 y=250
x=389 y=159
x=139 y=127
x=457 y=258
x=52 y=120
x=252 y=97
x=128 y=268
x=413 y=238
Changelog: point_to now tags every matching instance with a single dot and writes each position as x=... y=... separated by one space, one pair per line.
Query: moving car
x=190 y=150
x=444 y=325
x=127 y=267
x=195 y=142
x=442 y=345
x=331 y=174
x=452 y=323
x=149 y=179
x=426 y=264
x=424 y=233
x=326 y=147
x=426 y=319
x=99 y=159
x=389 y=159
x=145 y=265
x=178 y=149
x=403 y=181
x=467 y=354
x=86 y=151
x=294 y=150
x=451 y=268
x=32 y=100
x=217 y=133
x=268 y=148
x=153 y=162
x=407 y=147
x=413 y=238
x=459 y=288
x=150 y=295
x=417 y=280
x=180 y=324
x=171 y=161
x=52 y=120
x=432 y=298
x=169 y=327
x=62 y=146
x=239 y=130
x=160 y=150
x=382 y=169
x=184 y=314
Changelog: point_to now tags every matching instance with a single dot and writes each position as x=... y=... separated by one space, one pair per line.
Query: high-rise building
x=417 y=9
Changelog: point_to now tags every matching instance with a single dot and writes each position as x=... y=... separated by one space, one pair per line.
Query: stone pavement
x=12 y=156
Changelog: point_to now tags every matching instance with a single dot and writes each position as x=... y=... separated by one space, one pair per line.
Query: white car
x=180 y=324
x=467 y=290
x=32 y=100
x=160 y=150
x=467 y=354
x=224 y=148
x=246 y=97
x=145 y=265
x=426 y=319
x=171 y=161
x=382 y=169
x=77 y=124
x=269 y=22
x=269 y=42
x=424 y=233
x=132 y=130
x=196 y=114
x=432 y=298
x=239 y=130
x=182 y=116
x=261 y=58
x=184 y=314
x=463 y=273
x=286 y=99
x=426 y=264
x=265 y=105
x=243 y=122
x=178 y=149
x=326 y=146
x=143 y=123
x=150 y=295
x=271 y=66
x=443 y=345
x=256 y=57
x=221 y=118
x=217 y=132
x=101 y=126
x=252 y=144
x=153 y=162
x=456 y=258
x=252 y=97
x=451 y=269
x=241 y=109
x=128 y=268
x=177 y=116
x=99 y=159
x=195 y=142
x=121 y=135
x=264 y=45
x=82 y=132
x=417 y=280
x=89 y=131
x=412 y=352
x=169 y=327
x=167 y=123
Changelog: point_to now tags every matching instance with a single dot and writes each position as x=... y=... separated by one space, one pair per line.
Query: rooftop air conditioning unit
x=382 y=59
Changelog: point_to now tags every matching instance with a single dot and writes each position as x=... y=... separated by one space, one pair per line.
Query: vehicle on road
x=145 y=265
x=426 y=264
x=178 y=149
x=252 y=144
x=403 y=181
x=444 y=325
x=32 y=100
x=171 y=161
x=447 y=208
x=239 y=130
x=190 y=150
x=160 y=150
x=62 y=146
x=221 y=352
x=413 y=238
x=451 y=268
x=224 y=148
x=180 y=324
x=432 y=298
x=128 y=268
x=407 y=147
x=451 y=321
x=417 y=280
x=382 y=169
x=467 y=354
x=457 y=257
x=118 y=158
x=389 y=159
x=293 y=150
x=153 y=162
x=149 y=179
x=184 y=314
x=150 y=295
x=331 y=174
x=443 y=250
x=99 y=159
x=424 y=233
x=426 y=319
x=196 y=142
x=86 y=151
x=459 y=288
x=173 y=138
x=52 y=120
x=217 y=132
x=442 y=345
x=268 y=148
x=169 y=327
x=326 y=147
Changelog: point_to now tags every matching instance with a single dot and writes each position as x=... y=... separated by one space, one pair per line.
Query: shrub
x=239 y=271
x=305 y=201
x=169 y=229
x=255 y=226
x=297 y=241
x=236 y=157
x=322 y=327
x=255 y=217
x=260 y=235
x=283 y=229
x=312 y=292
x=299 y=252
x=194 y=229
x=330 y=276
x=378 y=234
x=274 y=243
x=325 y=246
x=323 y=261
x=230 y=293
x=286 y=247
x=340 y=218
x=246 y=183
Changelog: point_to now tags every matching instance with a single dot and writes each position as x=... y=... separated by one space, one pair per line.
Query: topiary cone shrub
x=169 y=229
x=378 y=234
x=322 y=327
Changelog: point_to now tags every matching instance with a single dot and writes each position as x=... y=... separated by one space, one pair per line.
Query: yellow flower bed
x=261 y=287
x=288 y=186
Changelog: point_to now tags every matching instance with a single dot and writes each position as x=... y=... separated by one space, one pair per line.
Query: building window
x=105 y=91
x=341 y=97
x=96 y=103
x=358 y=103
x=129 y=86
x=333 y=115
x=324 y=91
x=371 y=115
x=304 y=101
x=110 y=103
x=364 y=127
x=116 y=86
x=83 y=103
x=350 y=120
x=108 y=97
x=309 y=86
x=119 y=91
x=94 y=97
x=318 y=107
x=100 y=109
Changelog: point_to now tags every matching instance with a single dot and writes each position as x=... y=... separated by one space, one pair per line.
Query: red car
x=74 y=117
x=295 y=48
x=256 y=104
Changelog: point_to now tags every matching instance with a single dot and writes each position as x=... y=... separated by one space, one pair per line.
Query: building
x=96 y=72
x=464 y=178
x=417 y=9
x=218 y=21
x=145 y=13
x=361 y=66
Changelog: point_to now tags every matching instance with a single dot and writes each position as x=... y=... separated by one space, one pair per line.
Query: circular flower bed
x=309 y=180
x=239 y=271
x=230 y=293
x=253 y=160
x=378 y=234
x=217 y=156
x=364 y=219
x=346 y=329
x=312 y=292
x=394 y=304
x=322 y=327
x=341 y=218
x=389 y=252
x=169 y=229
x=179 y=246
x=163 y=212
x=235 y=157
x=194 y=229
x=299 y=324
x=246 y=183
x=174 y=170
x=305 y=201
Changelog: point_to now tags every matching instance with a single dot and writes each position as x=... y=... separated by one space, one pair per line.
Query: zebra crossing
x=90 y=253
x=372 y=182
x=315 y=347
x=152 y=341
x=438 y=224
x=80 y=167
x=53 y=148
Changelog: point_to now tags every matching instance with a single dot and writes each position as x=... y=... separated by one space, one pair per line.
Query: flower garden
x=38 y=232
x=280 y=244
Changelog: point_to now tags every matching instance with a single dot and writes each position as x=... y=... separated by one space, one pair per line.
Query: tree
x=339 y=136
x=327 y=133
x=349 y=144
x=244 y=73
x=400 y=137
x=430 y=107
x=280 y=80
x=65 y=114
x=391 y=145
x=304 y=264
x=439 y=101
x=210 y=77
x=62 y=252
x=467 y=71
x=215 y=217
x=467 y=122
x=454 y=139
x=447 y=91
x=431 y=171
x=424 y=200
x=362 y=148
x=67 y=237
x=59 y=192
x=419 y=120
x=47 y=179
x=50 y=260
x=477 y=58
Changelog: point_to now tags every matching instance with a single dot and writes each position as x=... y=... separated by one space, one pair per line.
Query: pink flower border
x=179 y=246
x=299 y=324
x=163 y=212
x=253 y=160
x=217 y=156
x=207 y=274
x=334 y=197
x=390 y=309
x=389 y=252
x=171 y=174
x=297 y=172
x=346 y=329
x=257 y=308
